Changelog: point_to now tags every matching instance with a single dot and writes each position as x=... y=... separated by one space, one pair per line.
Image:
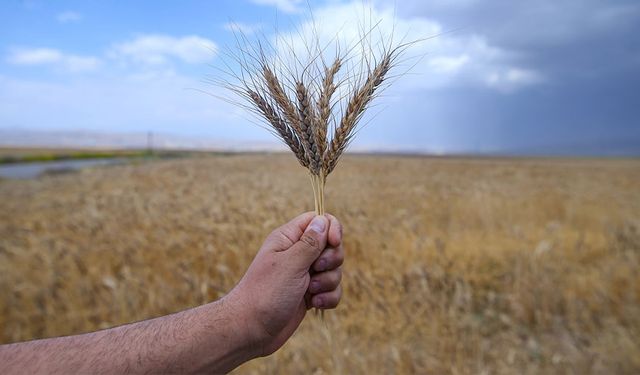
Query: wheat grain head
x=300 y=98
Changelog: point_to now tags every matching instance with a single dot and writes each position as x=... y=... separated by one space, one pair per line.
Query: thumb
x=308 y=248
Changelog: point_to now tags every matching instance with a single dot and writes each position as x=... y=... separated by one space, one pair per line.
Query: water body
x=33 y=170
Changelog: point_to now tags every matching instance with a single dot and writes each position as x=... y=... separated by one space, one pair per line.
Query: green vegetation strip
x=81 y=155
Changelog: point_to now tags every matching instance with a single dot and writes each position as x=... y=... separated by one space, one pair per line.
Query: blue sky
x=544 y=77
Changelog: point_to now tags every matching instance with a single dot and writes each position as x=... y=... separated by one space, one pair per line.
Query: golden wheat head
x=302 y=100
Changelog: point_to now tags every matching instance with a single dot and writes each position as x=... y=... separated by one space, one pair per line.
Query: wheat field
x=454 y=265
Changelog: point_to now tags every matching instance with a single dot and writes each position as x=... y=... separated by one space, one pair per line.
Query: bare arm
x=298 y=267
x=211 y=338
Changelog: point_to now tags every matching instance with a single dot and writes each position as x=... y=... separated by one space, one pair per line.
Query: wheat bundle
x=313 y=105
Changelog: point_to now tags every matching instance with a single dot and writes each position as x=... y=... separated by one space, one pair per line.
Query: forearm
x=209 y=338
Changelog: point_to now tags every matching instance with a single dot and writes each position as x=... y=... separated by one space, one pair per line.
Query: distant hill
x=627 y=147
x=133 y=140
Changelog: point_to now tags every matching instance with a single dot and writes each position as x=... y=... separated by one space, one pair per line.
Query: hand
x=298 y=267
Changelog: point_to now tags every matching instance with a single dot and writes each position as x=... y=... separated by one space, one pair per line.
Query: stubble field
x=453 y=265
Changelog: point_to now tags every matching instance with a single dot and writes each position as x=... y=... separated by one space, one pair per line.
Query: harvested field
x=453 y=265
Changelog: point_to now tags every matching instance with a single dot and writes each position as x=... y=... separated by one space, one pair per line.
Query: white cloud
x=443 y=60
x=68 y=17
x=448 y=64
x=160 y=49
x=143 y=97
x=458 y=60
x=34 y=56
x=287 y=6
x=53 y=57
x=136 y=88
x=81 y=63
x=512 y=78
x=243 y=28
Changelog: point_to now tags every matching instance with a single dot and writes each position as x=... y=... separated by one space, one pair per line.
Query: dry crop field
x=453 y=265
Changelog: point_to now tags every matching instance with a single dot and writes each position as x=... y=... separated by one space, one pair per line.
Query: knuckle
x=333 y=276
x=311 y=241
x=338 y=276
x=279 y=240
x=333 y=279
x=338 y=257
x=332 y=299
x=332 y=302
x=333 y=258
x=327 y=281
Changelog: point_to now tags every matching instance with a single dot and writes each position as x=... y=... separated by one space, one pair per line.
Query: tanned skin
x=298 y=267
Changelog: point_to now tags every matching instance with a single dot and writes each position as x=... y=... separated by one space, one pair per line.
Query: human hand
x=298 y=267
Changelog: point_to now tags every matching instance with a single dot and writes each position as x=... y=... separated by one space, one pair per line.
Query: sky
x=493 y=76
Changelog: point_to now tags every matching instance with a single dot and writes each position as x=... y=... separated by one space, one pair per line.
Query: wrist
x=243 y=325
x=226 y=340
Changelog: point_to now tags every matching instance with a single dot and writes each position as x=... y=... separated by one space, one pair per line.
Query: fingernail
x=318 y=224
x=322 y=264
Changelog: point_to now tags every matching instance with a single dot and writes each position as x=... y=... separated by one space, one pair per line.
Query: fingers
x=335 y=231
x=325 y=281
x=330 y=259
x=327 y=300
x=310 y=244
x=324 y=290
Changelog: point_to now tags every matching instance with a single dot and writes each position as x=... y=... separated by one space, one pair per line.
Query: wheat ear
x=355 y=108
x=324 y=108
x=282 y=129
x=307 y=129
x=287 y=107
